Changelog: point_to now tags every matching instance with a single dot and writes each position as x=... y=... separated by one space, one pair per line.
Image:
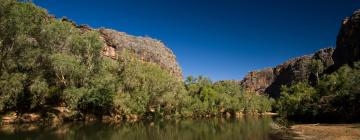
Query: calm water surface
x=255 y=128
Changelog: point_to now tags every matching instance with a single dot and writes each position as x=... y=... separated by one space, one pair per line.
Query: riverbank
x=324 y=131
x=62 y=114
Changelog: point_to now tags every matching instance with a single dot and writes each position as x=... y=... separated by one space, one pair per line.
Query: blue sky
x=221 y=39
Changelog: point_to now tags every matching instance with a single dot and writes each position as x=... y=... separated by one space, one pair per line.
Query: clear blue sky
x=221 y=39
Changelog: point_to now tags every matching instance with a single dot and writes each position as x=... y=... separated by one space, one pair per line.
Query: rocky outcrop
x=270 y=80
x=348 y=41
x=298 y=70
x=258 y=81
x=325 y=56
x=145 y=48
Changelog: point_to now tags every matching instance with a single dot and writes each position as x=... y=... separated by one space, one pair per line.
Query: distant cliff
x=347 y=50
x=269 y=80
x=145 y=48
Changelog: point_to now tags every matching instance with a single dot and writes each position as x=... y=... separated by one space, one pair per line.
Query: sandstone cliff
x=347 y=50
x=258 y=81
x=269 y=80
x=144 y=48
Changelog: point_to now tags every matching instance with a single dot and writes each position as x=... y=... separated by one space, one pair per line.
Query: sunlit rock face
x=348 y=41
x=258 y=81
x=145 y=48
x=297 y=70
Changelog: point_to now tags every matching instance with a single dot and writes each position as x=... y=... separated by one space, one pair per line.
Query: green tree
x=11 y=89
x=316 y=67
x=297 y=100
x=340 y=92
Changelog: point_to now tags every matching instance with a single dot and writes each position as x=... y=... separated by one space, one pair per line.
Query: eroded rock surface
x=145 y=48
x=258 y=81
x=269 y=80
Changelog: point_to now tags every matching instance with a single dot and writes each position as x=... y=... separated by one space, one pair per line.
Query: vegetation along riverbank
x=54 y=70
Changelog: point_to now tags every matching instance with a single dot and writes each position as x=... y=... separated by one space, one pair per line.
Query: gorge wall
x=348 y=41
x=347 y=51
x=270 y=80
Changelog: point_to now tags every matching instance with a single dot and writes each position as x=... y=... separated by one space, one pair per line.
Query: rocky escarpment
x=144 y=48
x=299 y=69
x=348 y=41
x=347 y=50
x=270 y=80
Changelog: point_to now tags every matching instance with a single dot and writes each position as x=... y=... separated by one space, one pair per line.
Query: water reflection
x=254 y=128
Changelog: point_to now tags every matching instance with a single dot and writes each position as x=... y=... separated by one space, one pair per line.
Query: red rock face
x=258 y=81
x=107 y=50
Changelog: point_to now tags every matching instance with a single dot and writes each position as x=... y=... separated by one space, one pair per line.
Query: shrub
x=297 y=100
x=334 y=98
x=11 y=89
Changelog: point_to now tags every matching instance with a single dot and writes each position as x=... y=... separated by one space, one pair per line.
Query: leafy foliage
x=297 y=99
x=146 y=87
x=224 y=96
x=335 y=98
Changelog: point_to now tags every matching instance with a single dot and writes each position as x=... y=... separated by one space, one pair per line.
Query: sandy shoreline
x=326 y=131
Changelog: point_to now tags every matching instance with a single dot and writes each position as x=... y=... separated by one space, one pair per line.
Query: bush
x=11 y=89
x=297 y=100
x=147 y=88
x=225 y=96
x=97 y=101
x=340 y=91
x=334 y=98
